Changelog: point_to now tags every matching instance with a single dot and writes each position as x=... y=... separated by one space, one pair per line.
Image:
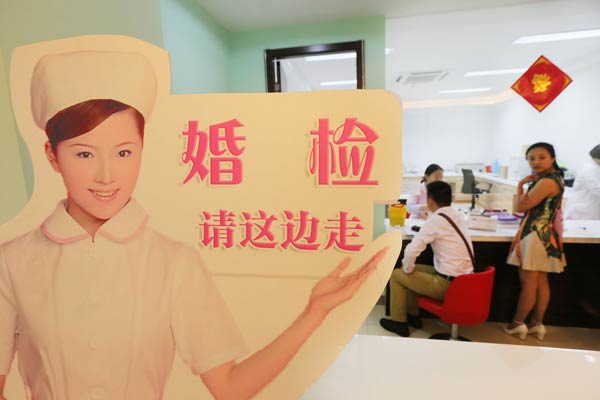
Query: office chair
x=467 y=302
x=473 y=188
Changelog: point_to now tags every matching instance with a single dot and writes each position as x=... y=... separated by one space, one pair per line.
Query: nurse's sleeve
x=205 y=333
x=414 y=208
x=591 y=180
x=8 y=317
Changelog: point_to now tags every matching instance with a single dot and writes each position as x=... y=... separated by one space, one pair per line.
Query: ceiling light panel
x=339 y=83
x=496 y=72
x=555 y=37
x=329 y=57
x=471 y=90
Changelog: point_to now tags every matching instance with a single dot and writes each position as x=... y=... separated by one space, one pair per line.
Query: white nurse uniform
x=101 y=317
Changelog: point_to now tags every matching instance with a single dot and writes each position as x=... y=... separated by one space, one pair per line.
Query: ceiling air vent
x=416 y=78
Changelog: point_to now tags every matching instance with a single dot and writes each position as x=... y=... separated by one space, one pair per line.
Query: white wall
x=571 y=123
x=485 y=133
x=482 y=39
x=447 y=136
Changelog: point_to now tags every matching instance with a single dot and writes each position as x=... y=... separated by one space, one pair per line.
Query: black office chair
x=473 y=188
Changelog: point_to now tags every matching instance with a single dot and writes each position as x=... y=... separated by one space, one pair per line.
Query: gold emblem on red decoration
x=541 y=83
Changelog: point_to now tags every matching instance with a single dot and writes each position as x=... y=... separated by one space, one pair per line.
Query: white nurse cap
x=63 y=80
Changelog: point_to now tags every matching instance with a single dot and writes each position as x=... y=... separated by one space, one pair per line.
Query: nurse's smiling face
x=100 y=168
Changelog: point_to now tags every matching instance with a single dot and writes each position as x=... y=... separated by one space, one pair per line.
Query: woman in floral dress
x=537 y=247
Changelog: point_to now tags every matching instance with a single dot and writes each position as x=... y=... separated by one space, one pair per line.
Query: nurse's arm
x=543 y=189
x=2 y=382
x=245 y=379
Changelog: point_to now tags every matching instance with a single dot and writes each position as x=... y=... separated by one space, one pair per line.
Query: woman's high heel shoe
x=520 y=330
x=538 y=330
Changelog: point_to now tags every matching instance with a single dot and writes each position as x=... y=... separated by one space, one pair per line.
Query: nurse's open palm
x=334 y=289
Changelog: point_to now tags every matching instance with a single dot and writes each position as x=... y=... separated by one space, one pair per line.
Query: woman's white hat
x=63 y=80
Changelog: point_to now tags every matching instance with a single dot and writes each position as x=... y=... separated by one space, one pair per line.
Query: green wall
x=11 y=172
x=198 y=48
x=205 y=57
x=29 y=21
x=247 y=65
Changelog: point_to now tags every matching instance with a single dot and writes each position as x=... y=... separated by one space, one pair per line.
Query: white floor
x=381 y=367
x=495 y=366
x=491 y=332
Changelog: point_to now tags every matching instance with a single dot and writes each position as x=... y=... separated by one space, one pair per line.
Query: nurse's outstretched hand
x=334 y=289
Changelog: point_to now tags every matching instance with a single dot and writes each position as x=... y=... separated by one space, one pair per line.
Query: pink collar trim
x=62 y=240
x=124 y=239
x=123 y=227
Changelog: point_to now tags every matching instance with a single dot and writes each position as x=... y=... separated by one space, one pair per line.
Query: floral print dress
x=537 y=246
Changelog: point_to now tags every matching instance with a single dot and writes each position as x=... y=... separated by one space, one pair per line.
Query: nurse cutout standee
x=95 y=301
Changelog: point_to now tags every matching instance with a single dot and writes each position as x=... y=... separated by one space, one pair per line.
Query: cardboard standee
x=273 y=191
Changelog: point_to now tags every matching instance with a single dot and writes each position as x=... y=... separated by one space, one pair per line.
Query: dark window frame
x=271 y=55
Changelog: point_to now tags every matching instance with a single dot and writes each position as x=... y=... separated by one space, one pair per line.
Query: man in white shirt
x=451 y=258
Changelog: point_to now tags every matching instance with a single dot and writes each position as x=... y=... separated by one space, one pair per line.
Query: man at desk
x=446 y=231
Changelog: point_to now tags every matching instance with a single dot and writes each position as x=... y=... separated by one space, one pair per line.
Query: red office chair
x=467 y=302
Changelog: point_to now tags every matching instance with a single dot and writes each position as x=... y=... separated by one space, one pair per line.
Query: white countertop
x=495 y=178
x=447 y=174
x=382 y=367
x=480 y=175
x=574 y=231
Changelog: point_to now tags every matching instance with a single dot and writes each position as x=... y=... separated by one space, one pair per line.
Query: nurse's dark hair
x=550 y=149
x=431 y=168
x=440 y=192
x=81 y=118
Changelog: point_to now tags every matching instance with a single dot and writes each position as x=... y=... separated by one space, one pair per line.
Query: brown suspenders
x=461 y=236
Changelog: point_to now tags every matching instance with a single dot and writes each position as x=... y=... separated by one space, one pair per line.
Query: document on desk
x=482 y=223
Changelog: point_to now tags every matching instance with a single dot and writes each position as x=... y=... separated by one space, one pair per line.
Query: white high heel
x=520 y=330
x=539 y=330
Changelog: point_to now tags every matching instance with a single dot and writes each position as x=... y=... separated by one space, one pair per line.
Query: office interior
x=214 y=49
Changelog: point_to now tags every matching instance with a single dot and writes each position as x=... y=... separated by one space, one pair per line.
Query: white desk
x=495 y=179
x=576 y=288
x=500 y=196
x=447 y=174
x=574 y=231
x=381 y=367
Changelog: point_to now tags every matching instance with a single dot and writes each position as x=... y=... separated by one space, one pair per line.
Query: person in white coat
x=585 y=201
x=418 y=207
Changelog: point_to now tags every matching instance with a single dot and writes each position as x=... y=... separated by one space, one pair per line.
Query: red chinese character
x=219 y=231
x=263 y=239
x=195 y=151
x=340 y=232
x=330 y=153
x=222 y=144
x=300 y=233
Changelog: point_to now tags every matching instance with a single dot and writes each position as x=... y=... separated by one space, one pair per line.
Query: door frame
x=273 y=70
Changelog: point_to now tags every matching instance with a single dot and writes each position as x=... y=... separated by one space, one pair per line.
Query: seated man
x=451 y=258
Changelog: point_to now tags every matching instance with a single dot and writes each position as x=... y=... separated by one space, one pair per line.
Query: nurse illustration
x=94 y=302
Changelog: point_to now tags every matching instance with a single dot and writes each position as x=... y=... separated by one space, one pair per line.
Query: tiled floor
x=491 y=332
